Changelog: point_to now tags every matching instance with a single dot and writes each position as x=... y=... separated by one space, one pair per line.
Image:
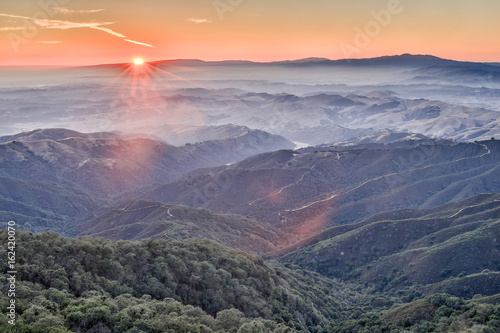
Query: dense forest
x=96 y=285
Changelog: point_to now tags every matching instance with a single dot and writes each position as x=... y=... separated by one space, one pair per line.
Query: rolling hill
x=92 y=284
x=45 y=206
x=308 y=190
x=452 y=248
x=142 y=219
x=106 y=166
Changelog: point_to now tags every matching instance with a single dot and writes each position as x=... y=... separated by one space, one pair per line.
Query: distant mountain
x=436 y=99
x=412 y=60
x=343 y=138
x=386 y=138
x=62 y=133
x=480 y=75
x=397 y=249
x=327 y=118
x=141 y=219
x=406 y=60
x=179 y=135
x=48 y=134
x=303 y=61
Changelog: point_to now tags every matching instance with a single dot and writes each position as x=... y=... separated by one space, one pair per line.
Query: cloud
x=64 y=25
x=11 y=28
x=138 y=43
x=63 y=10
x=50 y=42
x=109 y=31
x=198 y=21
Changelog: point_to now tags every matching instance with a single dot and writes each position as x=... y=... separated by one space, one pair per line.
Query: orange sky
x=77 y=32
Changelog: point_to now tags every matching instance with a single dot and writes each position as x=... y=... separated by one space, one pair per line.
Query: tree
x=229 y=320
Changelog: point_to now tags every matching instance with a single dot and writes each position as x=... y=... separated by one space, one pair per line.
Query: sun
x=138 y=61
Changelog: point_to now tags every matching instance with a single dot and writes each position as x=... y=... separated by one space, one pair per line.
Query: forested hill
x=95 y=285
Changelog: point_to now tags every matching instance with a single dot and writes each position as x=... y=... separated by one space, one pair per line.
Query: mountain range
x=357 y=195
x=57 y=176
x=343 y=99
x=309 y=189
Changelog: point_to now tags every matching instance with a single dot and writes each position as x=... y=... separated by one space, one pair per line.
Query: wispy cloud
x=64 y=25
x=63 y=10
x=50 y=41
x=109 y=31
x=11 y=28
x=139 y=43
x=198 y=21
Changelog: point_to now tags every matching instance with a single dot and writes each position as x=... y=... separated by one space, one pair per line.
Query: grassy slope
x=44 y=206
x=140 y=219
x=457 y=240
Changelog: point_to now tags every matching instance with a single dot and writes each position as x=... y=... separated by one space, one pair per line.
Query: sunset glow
x=138 y=61
x=82 y=33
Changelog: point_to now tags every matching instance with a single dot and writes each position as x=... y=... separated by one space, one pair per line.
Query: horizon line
x=311 y=58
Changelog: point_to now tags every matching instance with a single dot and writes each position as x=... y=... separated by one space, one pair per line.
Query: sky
x=86 y=32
